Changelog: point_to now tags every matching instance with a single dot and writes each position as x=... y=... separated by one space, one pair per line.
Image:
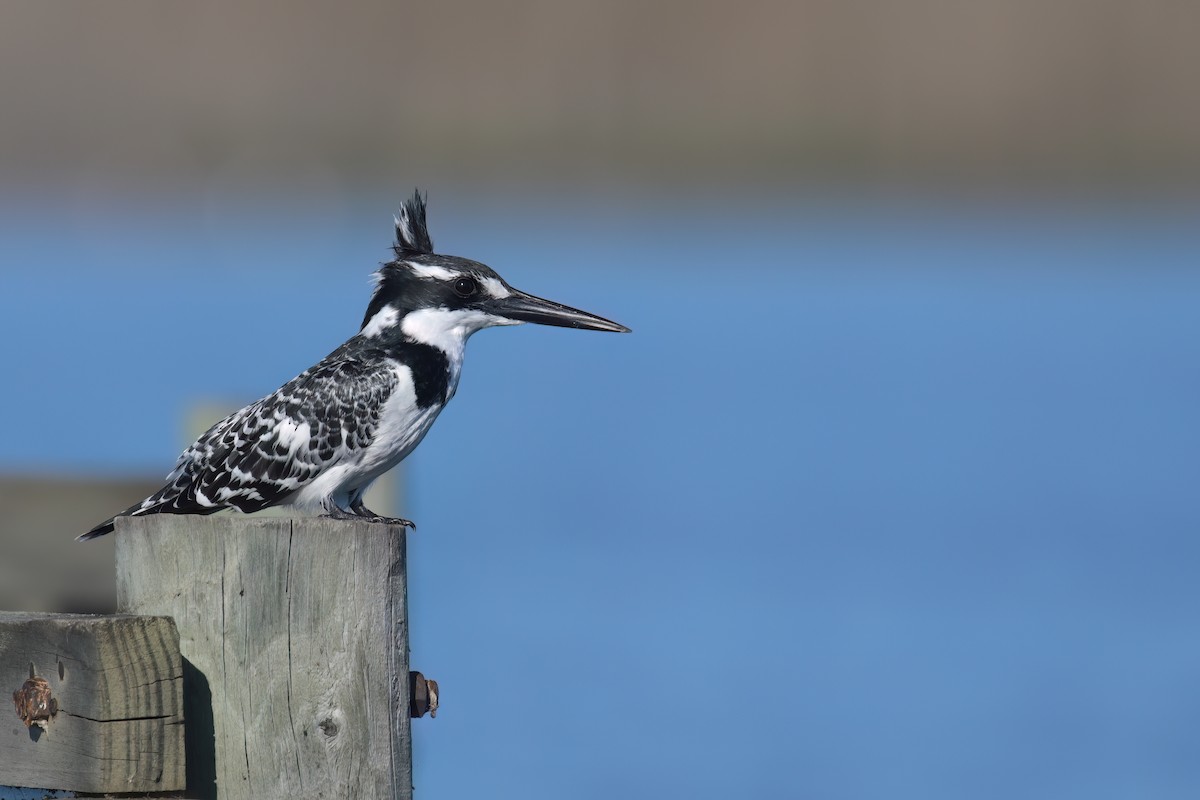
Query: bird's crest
x=412 y=236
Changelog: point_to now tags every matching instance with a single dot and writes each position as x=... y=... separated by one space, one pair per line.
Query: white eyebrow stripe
x=431 y=271
x=495 y=288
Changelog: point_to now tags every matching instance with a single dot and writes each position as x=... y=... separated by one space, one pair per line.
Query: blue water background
x=882 y=498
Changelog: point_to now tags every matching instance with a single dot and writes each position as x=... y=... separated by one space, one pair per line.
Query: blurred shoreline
x=1082 y=94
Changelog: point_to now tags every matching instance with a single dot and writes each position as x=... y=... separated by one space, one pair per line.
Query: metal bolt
x=34 y=704
x=422 y=696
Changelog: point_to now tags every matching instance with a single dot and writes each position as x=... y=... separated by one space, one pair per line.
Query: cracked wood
x=118 y=684
x=298 y=633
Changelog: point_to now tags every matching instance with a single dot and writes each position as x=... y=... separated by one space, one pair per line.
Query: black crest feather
x=412 y=236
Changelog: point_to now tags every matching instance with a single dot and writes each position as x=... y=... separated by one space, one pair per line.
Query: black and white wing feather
x=258 y=456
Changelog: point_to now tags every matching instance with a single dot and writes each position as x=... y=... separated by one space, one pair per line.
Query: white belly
x=402 y=425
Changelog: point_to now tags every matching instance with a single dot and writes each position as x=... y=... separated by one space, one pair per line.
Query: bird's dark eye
x=465 y=287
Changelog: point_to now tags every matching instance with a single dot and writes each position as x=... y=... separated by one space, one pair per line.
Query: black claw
x=406 y=523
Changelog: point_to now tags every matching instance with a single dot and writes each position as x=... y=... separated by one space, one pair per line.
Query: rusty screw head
x=423 y=696
x=34 y=704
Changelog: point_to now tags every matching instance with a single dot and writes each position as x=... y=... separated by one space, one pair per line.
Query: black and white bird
x=323 y=437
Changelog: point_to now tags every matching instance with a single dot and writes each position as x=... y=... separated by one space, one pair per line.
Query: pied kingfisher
x=322 y=438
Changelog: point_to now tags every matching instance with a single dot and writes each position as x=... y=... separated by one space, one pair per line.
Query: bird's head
x=442 y=300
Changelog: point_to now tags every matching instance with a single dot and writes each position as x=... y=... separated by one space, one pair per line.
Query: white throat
x=448 y=329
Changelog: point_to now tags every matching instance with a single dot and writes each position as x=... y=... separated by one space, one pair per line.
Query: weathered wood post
x=93 y=703
x=294 y=636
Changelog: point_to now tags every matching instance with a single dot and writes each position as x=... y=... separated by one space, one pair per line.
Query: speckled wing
x=256 y=457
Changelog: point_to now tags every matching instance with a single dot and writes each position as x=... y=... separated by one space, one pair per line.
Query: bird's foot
x=407 y=523
x=359 y=509
x=341 y=514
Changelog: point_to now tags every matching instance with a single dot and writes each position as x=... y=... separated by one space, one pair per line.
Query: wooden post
x=94 y=703
x=294 y=635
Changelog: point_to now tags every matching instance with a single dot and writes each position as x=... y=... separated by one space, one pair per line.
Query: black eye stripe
x=465 y=287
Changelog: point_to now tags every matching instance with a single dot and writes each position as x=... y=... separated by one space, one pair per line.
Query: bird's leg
x=359 y=509
x=334 y=511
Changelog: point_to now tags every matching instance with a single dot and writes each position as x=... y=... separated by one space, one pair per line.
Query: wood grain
x=295 y=638
x=118 y=683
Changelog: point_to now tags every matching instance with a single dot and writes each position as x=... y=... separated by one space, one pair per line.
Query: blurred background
x=891 y=492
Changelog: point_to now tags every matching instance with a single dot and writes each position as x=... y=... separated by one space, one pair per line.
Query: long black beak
x=527 y=308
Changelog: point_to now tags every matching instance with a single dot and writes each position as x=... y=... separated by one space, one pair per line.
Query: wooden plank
x=118 y=685
x=297 y=632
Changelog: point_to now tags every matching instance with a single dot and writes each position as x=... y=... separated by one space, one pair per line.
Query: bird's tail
x=101 y=529
x=163 y=506
x=108 y=525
